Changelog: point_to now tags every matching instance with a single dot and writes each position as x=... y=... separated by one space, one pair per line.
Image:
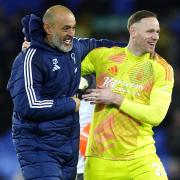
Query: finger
x=100 y=87
x=88 y=90
x=92 y=90
x=84 y=96
x=90 y=98
x=95 y=102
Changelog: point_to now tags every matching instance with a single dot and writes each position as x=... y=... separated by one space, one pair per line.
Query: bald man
x=43 y=84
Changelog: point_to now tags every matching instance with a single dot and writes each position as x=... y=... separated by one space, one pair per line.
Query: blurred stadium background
x=99 y=19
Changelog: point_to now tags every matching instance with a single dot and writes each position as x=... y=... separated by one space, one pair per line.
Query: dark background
x=99 y=19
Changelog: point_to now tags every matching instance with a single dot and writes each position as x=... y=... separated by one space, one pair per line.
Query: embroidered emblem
x=55 y=64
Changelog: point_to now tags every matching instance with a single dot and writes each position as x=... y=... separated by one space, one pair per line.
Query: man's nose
x=71 y=32
x=155 y=36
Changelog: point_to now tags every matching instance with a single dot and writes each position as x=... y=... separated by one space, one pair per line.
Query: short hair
x=137 y=16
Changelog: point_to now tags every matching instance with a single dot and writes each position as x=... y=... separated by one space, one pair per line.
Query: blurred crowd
x=99 y=19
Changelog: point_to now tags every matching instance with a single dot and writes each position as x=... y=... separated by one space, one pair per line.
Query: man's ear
x=132 y=31
x=47 y=28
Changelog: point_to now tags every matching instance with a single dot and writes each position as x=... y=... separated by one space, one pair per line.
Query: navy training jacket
x=44 y=120
x=43 y=79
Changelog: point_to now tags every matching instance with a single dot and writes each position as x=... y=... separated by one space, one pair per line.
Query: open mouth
x=68 y=42
x=152 y=44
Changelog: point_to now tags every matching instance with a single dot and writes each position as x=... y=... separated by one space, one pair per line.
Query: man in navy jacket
x=43 y=84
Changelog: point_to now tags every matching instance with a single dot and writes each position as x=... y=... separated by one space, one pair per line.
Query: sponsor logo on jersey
x=113 y=69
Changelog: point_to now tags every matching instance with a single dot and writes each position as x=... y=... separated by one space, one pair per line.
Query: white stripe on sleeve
x=33 y=102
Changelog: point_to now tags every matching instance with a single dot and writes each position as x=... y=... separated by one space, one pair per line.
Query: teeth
x=152 y=44
x=67 y=41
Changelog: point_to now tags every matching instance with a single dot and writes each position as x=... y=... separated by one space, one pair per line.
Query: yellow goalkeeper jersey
x=126 y=133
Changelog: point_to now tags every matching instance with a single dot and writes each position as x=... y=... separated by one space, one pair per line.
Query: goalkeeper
x=133 y=94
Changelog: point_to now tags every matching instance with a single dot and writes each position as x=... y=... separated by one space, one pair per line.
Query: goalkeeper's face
x=63 y=33
x=147 y=34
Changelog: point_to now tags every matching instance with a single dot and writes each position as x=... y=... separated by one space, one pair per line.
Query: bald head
x=56 y=12
x=59 y=24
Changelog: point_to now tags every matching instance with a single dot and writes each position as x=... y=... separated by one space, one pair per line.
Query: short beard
x=55 y=42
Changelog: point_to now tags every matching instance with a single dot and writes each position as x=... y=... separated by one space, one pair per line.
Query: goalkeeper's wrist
x=117 y=99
